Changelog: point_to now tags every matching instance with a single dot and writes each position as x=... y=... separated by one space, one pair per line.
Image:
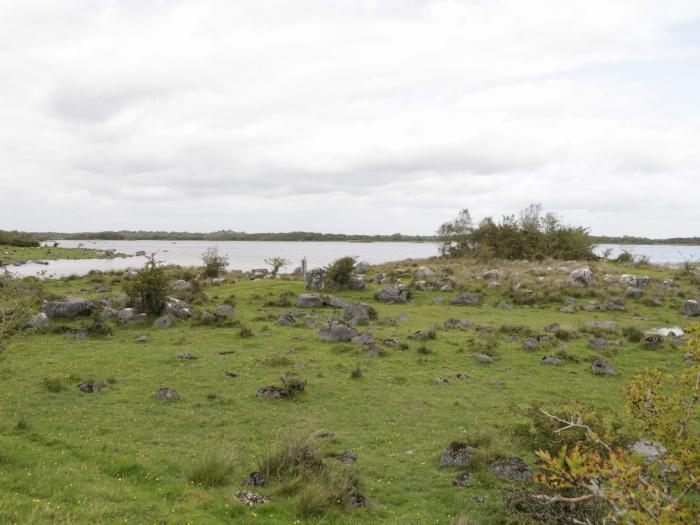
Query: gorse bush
x=149 y=289
x=530 y=236
x=214 y=264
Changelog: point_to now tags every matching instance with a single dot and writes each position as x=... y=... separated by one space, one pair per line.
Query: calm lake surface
x=243 y=255
x=247 y=255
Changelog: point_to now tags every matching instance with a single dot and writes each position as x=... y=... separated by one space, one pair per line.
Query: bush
x=18 y=239
x=148 y=291
x=214 y=470
x=340 y=271
x=214 y=264
x=531 y=236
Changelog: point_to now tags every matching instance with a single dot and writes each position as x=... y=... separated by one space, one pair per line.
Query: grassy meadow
x=121 y=456
x=21 y=254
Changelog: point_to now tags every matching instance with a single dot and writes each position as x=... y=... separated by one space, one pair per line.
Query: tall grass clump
x=213 y=470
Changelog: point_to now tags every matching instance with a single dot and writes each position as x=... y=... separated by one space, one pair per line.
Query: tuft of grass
x=53 y=384
x=124 y=469
x=213 y=470
x=424 y=350
x=22 y=424
x=356 y=373
x=632 y=333
x=245 y=331
x=276 y=361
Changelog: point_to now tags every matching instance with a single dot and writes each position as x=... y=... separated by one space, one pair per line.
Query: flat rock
x=309 y=300
x=597 y=343
x=251 y=499
x=691 y=308
x=466 y=299
x=164 y=321
x=456 y=324
x=651 y=451
x=348 y=457
x=462 y=479
x=67 y=308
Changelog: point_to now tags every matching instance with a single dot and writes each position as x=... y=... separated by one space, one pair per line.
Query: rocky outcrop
x=67 y=308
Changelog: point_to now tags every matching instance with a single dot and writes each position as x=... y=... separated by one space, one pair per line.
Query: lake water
x=247 y=255
x=243 y=255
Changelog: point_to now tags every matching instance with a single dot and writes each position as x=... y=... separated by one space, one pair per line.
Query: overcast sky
x=350 y=116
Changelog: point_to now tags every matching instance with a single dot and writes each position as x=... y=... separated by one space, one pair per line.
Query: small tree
x=214 y=263
x=149 y=289
x=277 y=263
x=340 y=271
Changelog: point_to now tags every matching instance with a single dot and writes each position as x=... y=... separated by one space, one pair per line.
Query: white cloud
x=351 y=116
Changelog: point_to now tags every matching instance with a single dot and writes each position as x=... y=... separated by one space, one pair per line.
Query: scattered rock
x=652 y=341
x=166 y=394
x=356 y=282
x=91 y=387
x=613 y=303
x=602 y=325
x=365 y=338
x=358 y=313
x=393 y=294
x=463 y=377
x=651 y=451
x=550 y=360
x=356 y=500
x=635 y=281
x=142 y=339
x=164 y=321
x=568 y=309
x=315 y=279
x=258 y=273
x=504 y=306
x=597 y=343
x=335 y=331
x=447 y=288
x=309 y=300
x=402 y=316
x=462 y=479
x=40 y=320
x=67 y=308
x=468 y=299
x=348 y=457
x=493 y=274
x=180 y=284
x=456 y=324
x=185 y=356
x=582 y=276
x=286 y=319
x=512 y=469
x=484 y=358
x=690 y=308
x=425 y=274
x=531 y=344
x=457 y=455
x=634 y=292
x=129 y=316
x=251 y=498
x=255 y=479
x=442 y=380
x=600 y=366
x=176 y=307
x=223 y=310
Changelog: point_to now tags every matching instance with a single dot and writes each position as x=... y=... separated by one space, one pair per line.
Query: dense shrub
x=531 y=236
x=15 y=238
x=214 y=264
x=149 y=289
x=340 y=271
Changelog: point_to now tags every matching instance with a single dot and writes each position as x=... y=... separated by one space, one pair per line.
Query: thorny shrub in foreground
x=663 y=491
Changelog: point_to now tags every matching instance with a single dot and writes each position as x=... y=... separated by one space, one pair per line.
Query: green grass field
x=120 y=456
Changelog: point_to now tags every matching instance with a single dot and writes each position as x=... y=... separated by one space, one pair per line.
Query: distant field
x=121 y=456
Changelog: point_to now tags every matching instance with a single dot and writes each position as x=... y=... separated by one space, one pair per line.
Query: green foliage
x=214 y=470
x=214 y=264
x=277 y=263
x=658 y=491
x=531 y=236
x=339 y=272
x=18 y=298
x=149 y=289
x=15 y=238
x=356 y=373
x=53 y=384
